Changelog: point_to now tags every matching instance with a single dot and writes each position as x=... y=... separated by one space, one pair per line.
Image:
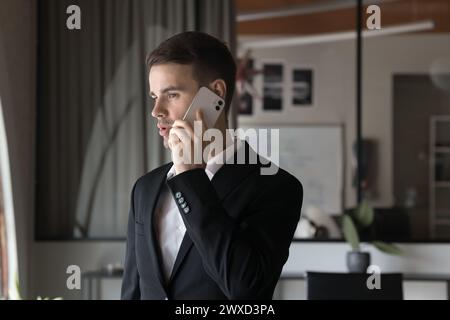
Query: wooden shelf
x=439 y=213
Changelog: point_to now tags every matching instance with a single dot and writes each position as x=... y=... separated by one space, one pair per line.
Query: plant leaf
x=350 y=232
x=364 y=214
x=387 y=248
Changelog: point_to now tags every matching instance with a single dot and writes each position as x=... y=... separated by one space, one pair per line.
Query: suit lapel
x=153 y=193
x=226 y=179
x=186 y=245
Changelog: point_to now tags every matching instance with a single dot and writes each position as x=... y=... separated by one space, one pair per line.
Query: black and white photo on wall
x=273 y=86
x=302 y=87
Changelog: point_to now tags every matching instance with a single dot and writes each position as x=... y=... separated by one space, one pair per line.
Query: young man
x=213 y=229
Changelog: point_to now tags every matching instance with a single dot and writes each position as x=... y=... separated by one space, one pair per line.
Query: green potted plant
x=362 y=217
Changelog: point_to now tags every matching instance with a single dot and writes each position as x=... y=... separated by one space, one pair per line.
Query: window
x=8 y=251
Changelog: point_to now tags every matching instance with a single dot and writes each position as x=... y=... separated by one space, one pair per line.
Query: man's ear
x=219 y=87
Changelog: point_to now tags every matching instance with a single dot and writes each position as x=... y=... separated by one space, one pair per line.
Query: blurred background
x=361 y=99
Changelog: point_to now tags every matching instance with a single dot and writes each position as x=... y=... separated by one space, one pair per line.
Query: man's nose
x=158 y=110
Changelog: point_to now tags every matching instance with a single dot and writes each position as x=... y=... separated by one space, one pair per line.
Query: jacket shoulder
x=149 y=177
x=277 y=177
x=286 y=180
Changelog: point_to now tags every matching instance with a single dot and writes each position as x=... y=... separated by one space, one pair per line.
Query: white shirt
x=169 y=224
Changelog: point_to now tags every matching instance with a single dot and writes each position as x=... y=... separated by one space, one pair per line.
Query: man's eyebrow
x=171 y=88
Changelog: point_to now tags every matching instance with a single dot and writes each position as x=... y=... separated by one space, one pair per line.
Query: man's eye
x=172 y=95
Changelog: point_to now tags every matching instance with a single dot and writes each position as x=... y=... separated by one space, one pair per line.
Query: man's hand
x=187 y=145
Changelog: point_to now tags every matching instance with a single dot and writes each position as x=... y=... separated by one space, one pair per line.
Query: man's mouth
x=163 y=129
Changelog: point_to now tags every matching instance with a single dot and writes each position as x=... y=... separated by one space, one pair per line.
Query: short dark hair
x=210 y=58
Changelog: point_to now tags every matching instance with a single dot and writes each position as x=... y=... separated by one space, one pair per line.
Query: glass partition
x=405 y=120
x=298 y=76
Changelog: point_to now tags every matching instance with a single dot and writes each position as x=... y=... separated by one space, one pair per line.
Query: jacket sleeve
x=130 y=281
x=243 y=258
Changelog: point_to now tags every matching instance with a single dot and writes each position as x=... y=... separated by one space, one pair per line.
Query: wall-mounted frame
x=302 y=86
x=273 y=86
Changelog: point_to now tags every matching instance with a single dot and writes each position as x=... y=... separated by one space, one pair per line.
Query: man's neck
x=222 y=126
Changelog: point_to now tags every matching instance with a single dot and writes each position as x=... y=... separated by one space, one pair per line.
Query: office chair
x=352 y=286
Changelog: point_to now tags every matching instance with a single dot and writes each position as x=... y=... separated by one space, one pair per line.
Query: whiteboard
x=314 y=155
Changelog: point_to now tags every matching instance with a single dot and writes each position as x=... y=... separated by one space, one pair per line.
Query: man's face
x=172 y=86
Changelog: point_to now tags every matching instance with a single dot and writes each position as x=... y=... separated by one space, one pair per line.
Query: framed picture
x=273 y=86
x=302 y=87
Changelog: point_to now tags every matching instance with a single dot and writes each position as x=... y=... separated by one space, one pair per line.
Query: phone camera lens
x=217 y=108
x=220 y=102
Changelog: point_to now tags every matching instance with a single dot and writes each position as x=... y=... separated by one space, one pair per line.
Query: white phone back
x=210 y=104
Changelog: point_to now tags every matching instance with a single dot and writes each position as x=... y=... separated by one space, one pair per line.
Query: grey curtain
x=95 y=134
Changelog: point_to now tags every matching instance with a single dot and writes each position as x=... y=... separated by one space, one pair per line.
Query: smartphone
x=211 y=105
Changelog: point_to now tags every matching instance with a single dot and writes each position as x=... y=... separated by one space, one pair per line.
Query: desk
x=92 y=278
x=406 y=277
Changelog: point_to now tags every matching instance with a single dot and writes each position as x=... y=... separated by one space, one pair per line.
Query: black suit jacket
x=239 y=227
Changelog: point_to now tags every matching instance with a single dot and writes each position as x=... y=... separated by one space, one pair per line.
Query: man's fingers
x=183 y=124
x=199 y=117
x=181 y=134
x=173 y=139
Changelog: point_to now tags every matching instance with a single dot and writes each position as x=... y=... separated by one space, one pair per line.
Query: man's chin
x=166 y=142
